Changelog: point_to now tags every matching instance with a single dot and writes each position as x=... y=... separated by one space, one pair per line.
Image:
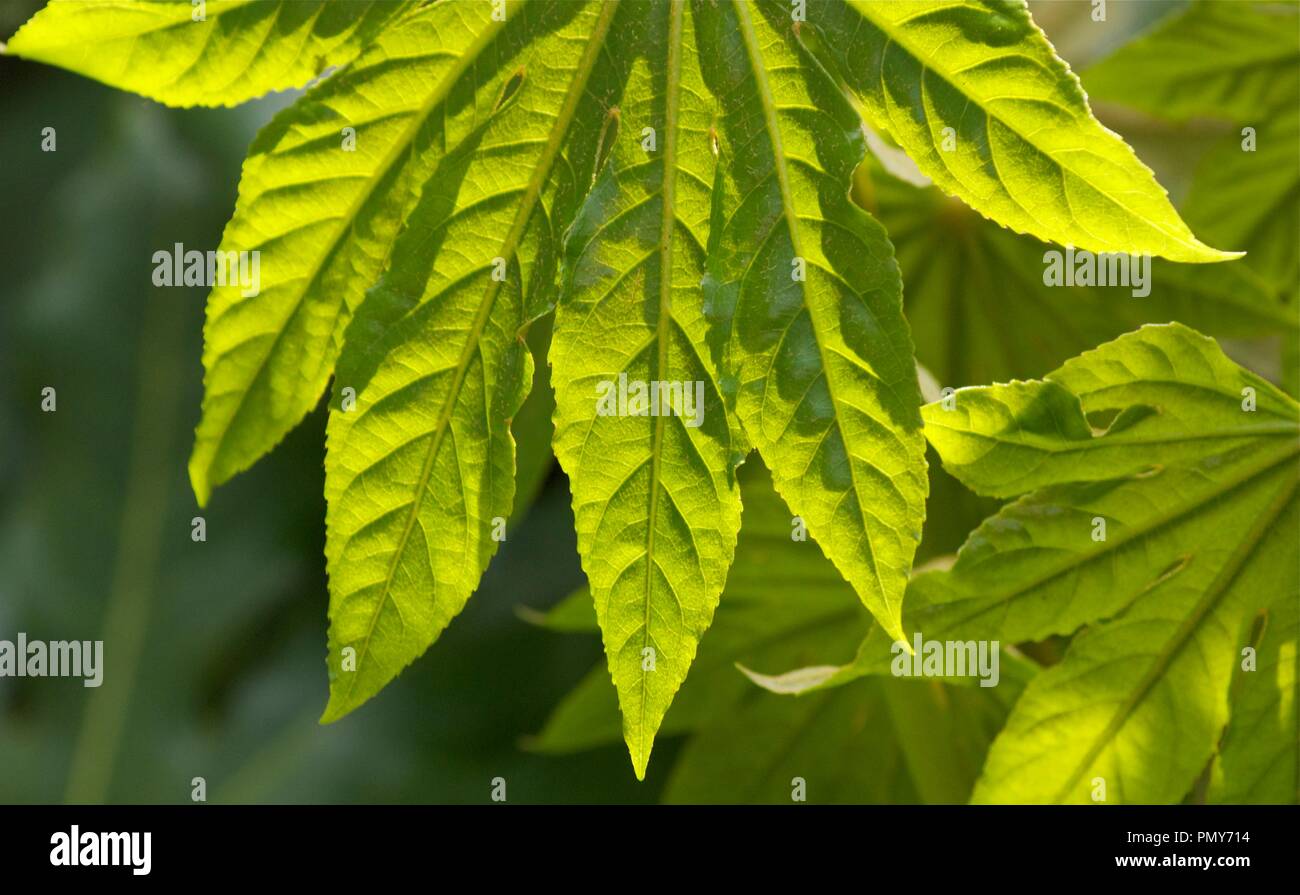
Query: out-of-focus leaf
x=1236 y=60
x=878 y=740
x=981 y=312
x=532 y=427
x=1251 y=200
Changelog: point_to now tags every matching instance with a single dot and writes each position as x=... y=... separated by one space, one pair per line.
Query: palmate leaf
x=977 y=97
x=726 y=253
x=1235 y=60
x=420 y=472
x=238 y=51
x=655 y=499
x=1198 y=496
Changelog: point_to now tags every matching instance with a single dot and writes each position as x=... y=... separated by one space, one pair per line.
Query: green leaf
x=977 y=97
x=420 y=472
x=875 y=741
x=1105 y=712
x=676 y=177
x=981 y=312
x=1198 y=497
x=784 y=604
x=1176 y=399
x=1251 y=199
x=239 y=50
x=805 y=296
x=1234 y=60
x=323 y=221
x=1259 y=758
x=655 y=500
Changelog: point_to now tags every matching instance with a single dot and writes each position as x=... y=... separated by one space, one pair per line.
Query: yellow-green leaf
x=217 y=53
x=640 y=423
x=978 y=98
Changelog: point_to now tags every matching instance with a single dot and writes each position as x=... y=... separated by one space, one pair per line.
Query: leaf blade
x=1031 y=157
x=439 y=366
x=655 y=500
x=814 y=339
x=268 y=356
x=1258 y=759
x=245 y=48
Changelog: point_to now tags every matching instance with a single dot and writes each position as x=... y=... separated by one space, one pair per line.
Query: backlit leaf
x=1194 y=480
x=1259 y=757
x=323 y=219
x=805 y=294
x=236 y=51
x=420 y=473
x=655 y=499
x=978 y=98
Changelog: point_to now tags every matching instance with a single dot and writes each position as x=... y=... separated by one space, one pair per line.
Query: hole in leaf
x=1109 y=420
x=605 y=145
x=510 y=90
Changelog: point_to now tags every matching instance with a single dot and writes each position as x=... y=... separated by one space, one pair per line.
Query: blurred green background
x=215 y=651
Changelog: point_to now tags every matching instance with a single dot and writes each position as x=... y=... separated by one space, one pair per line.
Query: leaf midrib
x=1099 y=442
x=672 y=88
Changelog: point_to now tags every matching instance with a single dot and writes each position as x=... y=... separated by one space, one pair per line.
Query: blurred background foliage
x=215 y=651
